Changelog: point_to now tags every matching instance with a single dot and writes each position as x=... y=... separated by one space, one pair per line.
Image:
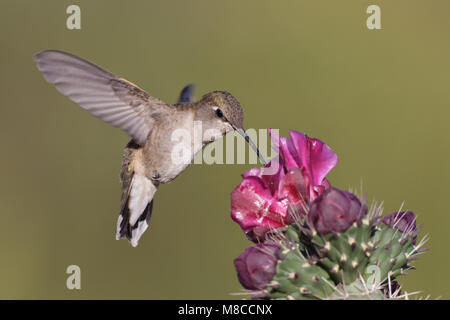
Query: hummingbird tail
x=136 y=210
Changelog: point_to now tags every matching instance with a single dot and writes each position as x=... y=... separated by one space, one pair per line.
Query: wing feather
x=112 y=99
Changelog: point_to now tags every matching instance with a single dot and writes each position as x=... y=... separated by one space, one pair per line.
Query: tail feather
x=133 y=232
x=137 y=199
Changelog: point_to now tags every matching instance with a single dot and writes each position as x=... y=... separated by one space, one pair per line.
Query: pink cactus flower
x=260 y=202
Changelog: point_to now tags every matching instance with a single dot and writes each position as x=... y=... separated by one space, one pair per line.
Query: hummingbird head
x=227 y=115
x=224 y=108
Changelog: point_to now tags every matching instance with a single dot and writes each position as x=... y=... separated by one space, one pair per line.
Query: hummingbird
x=147 y=160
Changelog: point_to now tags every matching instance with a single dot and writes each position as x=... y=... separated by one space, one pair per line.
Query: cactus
x=314 y=241
x=338 y=250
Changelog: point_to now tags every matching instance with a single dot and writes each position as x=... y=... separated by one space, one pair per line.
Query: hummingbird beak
x=250 y=142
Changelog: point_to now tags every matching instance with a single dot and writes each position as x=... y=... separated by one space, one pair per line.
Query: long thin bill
x=251 y=143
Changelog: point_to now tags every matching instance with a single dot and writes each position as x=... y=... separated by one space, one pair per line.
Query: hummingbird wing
x=110 y=98
x=187 y=94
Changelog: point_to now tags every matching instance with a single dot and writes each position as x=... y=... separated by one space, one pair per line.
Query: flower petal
x=272 y=181
x=252 y=205
x=314 y=155
x=285 y=149
x=294 y=186
x=253 y=172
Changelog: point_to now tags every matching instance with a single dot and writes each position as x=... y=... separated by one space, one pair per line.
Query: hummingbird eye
x=219 y=113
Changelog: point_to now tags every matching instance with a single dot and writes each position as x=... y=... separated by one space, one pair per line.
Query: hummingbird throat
x=187 y=143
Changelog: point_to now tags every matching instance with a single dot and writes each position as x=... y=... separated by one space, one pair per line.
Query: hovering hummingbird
x=149 y=122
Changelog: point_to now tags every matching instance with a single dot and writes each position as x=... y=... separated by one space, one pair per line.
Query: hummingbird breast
x=171 y=146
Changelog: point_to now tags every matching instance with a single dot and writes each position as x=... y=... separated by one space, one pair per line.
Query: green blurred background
x=379 y=98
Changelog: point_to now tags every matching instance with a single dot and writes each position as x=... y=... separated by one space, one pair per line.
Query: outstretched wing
x=112 y=99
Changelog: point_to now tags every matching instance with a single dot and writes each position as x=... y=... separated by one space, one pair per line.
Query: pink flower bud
x=335 y=211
